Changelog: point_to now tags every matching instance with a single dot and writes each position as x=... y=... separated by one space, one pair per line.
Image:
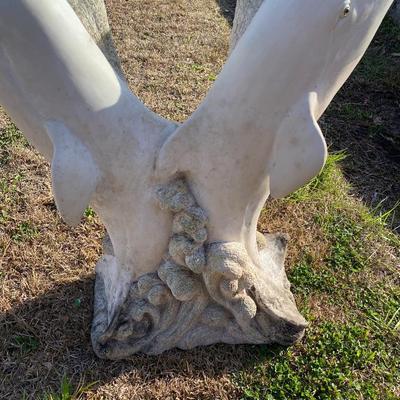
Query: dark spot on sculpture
x=346 y=10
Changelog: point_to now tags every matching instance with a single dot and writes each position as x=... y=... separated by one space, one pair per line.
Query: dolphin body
x=256 y=132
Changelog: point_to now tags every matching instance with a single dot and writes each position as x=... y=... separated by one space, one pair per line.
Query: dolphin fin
x=73 y=171
x=300 y=152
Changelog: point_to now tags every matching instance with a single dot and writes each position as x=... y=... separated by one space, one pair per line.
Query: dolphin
x=256 y=132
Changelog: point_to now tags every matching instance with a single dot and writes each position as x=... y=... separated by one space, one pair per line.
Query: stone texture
x=221 y=297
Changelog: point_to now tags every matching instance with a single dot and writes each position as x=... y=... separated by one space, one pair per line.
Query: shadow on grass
x=48 y=338
x=227 y=8
x=364 y=121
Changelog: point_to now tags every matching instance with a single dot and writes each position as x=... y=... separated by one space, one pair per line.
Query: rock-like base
x=202 y=293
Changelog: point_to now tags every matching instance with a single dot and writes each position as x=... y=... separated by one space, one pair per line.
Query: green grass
x=380 y=306
x=336 y=361
x=347 y=250
x=25 y=343
x=352 y=360
x=25 y=231
x=306 y=278
x=67 y=391
x=9 y=137
x=328 y=180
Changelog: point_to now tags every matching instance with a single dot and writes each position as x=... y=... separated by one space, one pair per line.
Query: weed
x=347 y=254
x=10 y=185
x=3 y=217
x=197 y=67
x=25 y=343
x=90 y=213
x=25 y=231
x=77 y=302
x=352 y=111
x=389 y=34
x=375 y=68
x=67 y=391
x=11 y=135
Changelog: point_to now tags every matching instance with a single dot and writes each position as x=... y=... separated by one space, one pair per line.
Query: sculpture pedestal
x=202 y=293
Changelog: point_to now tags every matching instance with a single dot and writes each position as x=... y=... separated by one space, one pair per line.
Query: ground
x=343 y=256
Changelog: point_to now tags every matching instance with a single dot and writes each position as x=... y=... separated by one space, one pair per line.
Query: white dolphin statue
x=254 y=135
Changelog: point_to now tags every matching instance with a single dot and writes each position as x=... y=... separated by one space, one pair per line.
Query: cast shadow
x=227 y=9
x=48 y=337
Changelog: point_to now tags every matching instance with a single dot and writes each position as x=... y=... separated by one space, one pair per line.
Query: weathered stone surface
x=222 y=298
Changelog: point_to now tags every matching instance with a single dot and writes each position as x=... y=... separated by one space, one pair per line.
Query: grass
x=25 y=343
x=328 y=179
x=68 y=392
x=343 y=258
x=346 y=253
x=350 y=350
x=10 y=136
x=336 y=361
x=307 y=278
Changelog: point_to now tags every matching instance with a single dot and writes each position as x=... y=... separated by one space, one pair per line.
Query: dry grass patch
x=171 y=52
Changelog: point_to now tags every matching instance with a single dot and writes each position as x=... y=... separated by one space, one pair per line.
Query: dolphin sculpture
x=189 y=272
